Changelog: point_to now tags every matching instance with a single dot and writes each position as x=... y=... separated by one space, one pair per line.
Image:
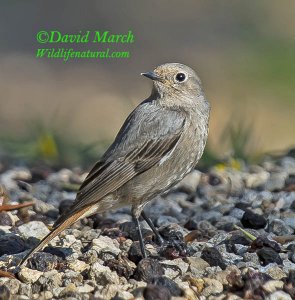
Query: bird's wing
x=145 y=138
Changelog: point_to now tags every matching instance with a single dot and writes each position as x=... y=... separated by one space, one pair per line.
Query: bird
x=159 y=143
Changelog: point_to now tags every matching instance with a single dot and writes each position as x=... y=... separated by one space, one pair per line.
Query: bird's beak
x=151 y=75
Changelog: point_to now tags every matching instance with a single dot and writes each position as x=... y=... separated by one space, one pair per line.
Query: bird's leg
x=140 y=238
x=152 y=226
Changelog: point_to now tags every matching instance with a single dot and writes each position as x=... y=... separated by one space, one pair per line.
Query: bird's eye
x=180 y=77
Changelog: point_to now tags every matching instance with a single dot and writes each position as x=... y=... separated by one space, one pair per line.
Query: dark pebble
x=239 y=239
x=5 y=219
x=43 y=262
x=289 y=285
x=130 y=231
x=11 y=244
x=262 y=241
x=171 y=232
x=293 y=205
x=147 y=269
x=65 y=205
x=134 y=253
x=268 y=255
x=213 y=257
x=60 y=252
x=154 y=292
x=168 y=283
x=252 y=220
x=4 y=292
x=121 y=266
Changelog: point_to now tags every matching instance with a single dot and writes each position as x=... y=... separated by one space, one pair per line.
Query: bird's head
x=174 y=79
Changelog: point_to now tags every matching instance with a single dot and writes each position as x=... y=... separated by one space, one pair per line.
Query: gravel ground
x=205 y=255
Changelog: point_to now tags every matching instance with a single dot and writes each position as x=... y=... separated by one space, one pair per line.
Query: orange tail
x=55 y=232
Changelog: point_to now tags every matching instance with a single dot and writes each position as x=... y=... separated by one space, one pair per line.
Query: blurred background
x=67 y=113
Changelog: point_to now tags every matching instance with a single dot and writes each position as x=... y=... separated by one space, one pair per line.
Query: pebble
x=174 y=268
x=197 y=266
x=4 y=292
x=78 y=266
x=172 y=286
x=267 y=255
x=213 y=257
x=273 y=285
x=152 y=292
x=105 y=244
x=43 y=262
x=253 y=220
x=6 y=219
x=212 y=287
x=11 y=244
x=147 y=269
x=278 y=227
x=34 y=229
x=279 y=295
x=103 y=275
x=27 y=275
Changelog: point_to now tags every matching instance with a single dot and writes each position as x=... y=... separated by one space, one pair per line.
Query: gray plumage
x=159 y=143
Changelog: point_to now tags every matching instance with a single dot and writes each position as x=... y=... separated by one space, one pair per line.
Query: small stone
x=129 y=230
x=253 y=220
x=175 y=267
x=11 y=244
x=166 y=282
x=68 y=291
x=27 y=275
x=225 y=276
x=34 y=229
x=50 y=279
x=152 y=292
x=276 y=181
x=290 y=222
x=237 y=213
x=268 y=255
x=274 y=271
x=71 y=277
x=43 y=262
x=123 y=295
x=147 y=269
x=86 y=288
x=78 y=266
x=279 y=295
x=90 y=256
x=255 y=180
x=6 y=219
x=123 y=266
x=103 y=275
x=12 y=284
x=197 y=266
x=279 y=227
x=212 y=287
x=106 y=244
x=4 y=292
x=25 y=290
x=273 y=285
x=134 y=253
x=213 y=257
x=251 y=257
